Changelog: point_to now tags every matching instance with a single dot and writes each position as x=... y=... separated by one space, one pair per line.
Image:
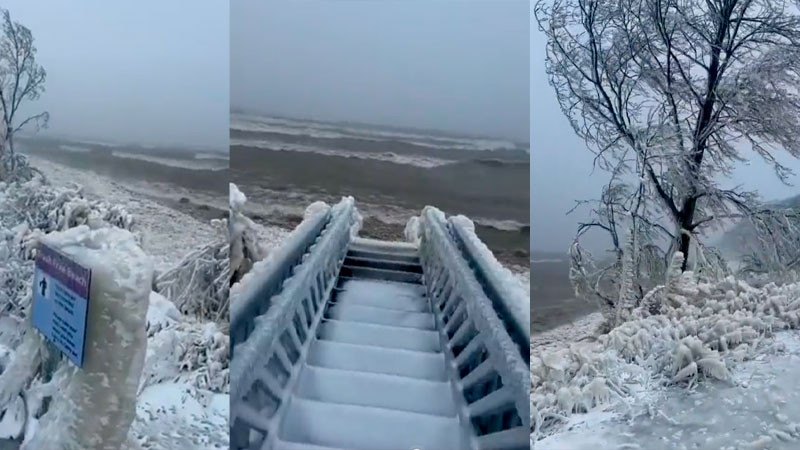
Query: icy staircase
x=342 y=343
x=374 y=377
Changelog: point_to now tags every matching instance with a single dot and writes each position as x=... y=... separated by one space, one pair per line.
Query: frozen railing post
x=506 y=300
x=94 y=406
x=485 y=362
x=266 y=363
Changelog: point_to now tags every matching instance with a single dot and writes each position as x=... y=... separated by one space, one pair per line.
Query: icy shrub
x=184 y=350
x=244 y=246
x=28 y=211
x=50 y=208
x=682 y=333
x=198 y=285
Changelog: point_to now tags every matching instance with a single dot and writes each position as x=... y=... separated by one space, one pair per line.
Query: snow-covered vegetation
x=686 y=331
x=186 y=359
x=670 y=97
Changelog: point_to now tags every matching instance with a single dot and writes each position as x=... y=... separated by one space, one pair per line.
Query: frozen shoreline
x=171 y=408
x=758 y=409
x=755 y=407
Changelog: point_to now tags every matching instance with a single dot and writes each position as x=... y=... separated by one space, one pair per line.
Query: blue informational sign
x=61 y=301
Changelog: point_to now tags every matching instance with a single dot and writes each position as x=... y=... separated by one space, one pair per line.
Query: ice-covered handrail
x=252 y=300
x=267 y=363
x=491 y=375
x=507 y=301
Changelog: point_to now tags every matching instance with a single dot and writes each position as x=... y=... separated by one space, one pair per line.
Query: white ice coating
x=519 y=301
x=660 y=366
x=97 y=404
x=411 y=231
x=316 y=208
x=268 y=326
x=237 y=198
x=248 y=285
x=440 y=253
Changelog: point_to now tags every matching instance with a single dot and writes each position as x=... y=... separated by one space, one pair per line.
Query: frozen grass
x=679 y=370
x=182 y=399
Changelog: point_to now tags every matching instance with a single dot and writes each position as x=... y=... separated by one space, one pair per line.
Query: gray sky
x=147 y=71
x=450 y=65
x=561 y=165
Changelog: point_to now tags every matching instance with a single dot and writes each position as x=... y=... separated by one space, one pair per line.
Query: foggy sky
x=450 y=65
x=147 y=71
x=561 y=166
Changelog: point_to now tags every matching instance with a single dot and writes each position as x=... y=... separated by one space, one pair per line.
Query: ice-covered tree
x=672 y=95
x=21 y=80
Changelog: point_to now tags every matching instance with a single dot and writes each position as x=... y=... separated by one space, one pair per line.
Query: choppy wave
x=219 y=156
x=74 y=148
x=502 y=225
x=413 y=160
x=264 y=124
x=194 y=164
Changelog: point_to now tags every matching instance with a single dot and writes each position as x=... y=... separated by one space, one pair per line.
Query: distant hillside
x=738 y=240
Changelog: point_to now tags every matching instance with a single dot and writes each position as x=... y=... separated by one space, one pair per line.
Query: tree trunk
x=12 y=163
x=686 y=219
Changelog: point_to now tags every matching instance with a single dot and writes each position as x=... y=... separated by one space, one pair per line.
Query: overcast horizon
x=149 y=72
x=235 y=110
x=413 y=64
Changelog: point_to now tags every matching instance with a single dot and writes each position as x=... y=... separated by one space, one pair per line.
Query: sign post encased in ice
x=61 y=301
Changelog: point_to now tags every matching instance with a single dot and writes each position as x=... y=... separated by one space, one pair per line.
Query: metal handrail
x=518 y=329
x=268 y=362
x=490 y=377
x=245 y=307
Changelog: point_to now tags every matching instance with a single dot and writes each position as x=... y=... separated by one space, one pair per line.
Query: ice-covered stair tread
x=348 y=312
x=385 y=246
x=360 y=360
x=369 y=358
x=383 y=294
x=367 y=428
x=380 y=335
x=377 y=390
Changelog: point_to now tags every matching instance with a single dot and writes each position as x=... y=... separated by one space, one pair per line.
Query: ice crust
x=98 y=403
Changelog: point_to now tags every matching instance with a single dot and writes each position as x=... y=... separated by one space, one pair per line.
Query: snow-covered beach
x=183 y=396
x=627 y=402
x=183 y=391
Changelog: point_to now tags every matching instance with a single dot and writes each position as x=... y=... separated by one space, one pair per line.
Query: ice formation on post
x=519 y=300
x=94 y=407
x=245 y=286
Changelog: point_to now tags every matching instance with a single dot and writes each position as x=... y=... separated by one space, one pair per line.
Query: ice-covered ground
x=167 y=234
x=164 y=230
x=757 y=408
x=183 y=401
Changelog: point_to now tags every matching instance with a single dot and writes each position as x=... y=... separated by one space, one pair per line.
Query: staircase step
x=402 y=257
x=397 y=296
x=366 y=428
x=395 y=248
x=370 y=314
x=379 y=335
x=368 y=358
x=380 y=274
x=375 y=263
x=283 y=445
x=376 y=390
